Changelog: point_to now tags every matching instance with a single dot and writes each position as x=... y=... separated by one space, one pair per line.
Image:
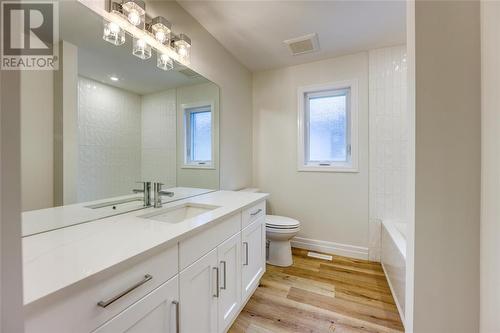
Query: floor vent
x=319 y=256
x=304 y=44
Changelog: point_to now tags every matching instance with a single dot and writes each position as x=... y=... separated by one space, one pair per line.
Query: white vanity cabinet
x=157 y=312
x=253 y=255
x=197 y=285
x=229 y=254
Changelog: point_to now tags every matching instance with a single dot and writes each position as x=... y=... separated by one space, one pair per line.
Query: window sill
x=196 y=166
x=329 y=168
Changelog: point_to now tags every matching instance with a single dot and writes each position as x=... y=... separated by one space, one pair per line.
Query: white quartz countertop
x=41 y=220
x=56 y=259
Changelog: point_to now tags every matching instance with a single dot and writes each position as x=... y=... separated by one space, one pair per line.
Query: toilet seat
x=274 y=222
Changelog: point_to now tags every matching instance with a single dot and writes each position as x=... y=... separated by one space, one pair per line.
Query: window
x=327 y=128
x=198 y=139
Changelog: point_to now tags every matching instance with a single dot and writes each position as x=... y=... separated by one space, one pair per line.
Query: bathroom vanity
x=189 y=266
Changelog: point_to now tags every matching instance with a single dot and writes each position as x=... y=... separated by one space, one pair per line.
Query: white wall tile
x=388 y=139
x=109 y=140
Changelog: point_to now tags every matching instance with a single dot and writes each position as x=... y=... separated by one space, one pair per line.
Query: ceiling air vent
x=305 y=44
x=189 y=73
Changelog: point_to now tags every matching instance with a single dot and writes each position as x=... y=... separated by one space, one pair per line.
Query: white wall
x=109 y=140
x=389 y=141
x=490 y=164
x=158 y=162
x=37 y=140
x=447 y=168
x=332 y=207
x=11 y=281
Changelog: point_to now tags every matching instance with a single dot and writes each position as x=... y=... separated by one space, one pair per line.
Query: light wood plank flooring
x=314 y=295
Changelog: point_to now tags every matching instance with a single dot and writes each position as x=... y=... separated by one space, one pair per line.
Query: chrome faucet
x=159 y=193
x=146 y=189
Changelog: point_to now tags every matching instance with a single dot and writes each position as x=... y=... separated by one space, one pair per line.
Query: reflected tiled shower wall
x=123 y=138
x=389 y=141
x=109 y=140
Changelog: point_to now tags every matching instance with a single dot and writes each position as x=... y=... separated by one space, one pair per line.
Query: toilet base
x=280 y=253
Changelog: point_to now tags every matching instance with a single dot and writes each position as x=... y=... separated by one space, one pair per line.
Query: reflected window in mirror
x=198 y=135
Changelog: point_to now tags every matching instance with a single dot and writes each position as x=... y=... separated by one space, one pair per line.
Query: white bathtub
x=393 y=258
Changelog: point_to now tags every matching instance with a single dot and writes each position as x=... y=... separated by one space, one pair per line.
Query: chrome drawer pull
x=216 y=269
x=104 y=304
x=224 y=274
x=177 y=327
x=256 y=212
x=246 y=254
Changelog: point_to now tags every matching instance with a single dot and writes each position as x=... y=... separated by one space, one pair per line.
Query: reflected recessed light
x=114 y=78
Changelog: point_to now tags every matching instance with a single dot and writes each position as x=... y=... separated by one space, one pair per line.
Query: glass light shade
x=135 y=12
x=161 y=28
x=141 y=49
x=163 y=61
x=113 y=33
x=183 y=47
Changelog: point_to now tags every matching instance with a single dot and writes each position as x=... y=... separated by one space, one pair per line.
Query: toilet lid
x=281 y=222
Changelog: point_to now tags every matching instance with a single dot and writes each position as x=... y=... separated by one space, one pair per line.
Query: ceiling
x=99 y=60
x=254 y=31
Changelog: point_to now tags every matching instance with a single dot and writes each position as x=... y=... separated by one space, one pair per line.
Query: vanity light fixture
x=163 y=61
x=182 y=44
x=129 y=16
x=141 y=49
x=161 y=28
x=113 y=33
x=135 y=11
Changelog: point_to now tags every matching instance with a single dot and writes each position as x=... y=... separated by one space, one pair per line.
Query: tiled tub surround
x=394 y=260
x=123 y=138
x=389 y=164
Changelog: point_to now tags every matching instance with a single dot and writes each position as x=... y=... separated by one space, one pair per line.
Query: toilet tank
x=250 y=189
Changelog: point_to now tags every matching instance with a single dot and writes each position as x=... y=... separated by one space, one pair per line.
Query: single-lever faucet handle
x=159 y=193
x=146 y=190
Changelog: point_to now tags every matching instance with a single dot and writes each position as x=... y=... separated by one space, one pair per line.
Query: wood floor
x=314 y=295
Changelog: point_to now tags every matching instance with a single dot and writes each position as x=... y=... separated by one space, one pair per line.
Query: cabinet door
x=157 y=312
x=253 y=256
x=198 y=295
x=229 y=255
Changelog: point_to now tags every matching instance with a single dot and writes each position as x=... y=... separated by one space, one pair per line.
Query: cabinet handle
x=224 y=274
x=104 y=304
x=256 y=212
x=246 y=254
x=177 y=327
x=216 y=269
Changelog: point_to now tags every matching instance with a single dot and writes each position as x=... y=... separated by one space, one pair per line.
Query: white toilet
x=279 y=231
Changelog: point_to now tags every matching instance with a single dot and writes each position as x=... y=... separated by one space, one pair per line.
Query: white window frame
x=186 y=112
x=352 y=164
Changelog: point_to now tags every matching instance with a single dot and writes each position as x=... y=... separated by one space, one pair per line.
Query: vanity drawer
x=85 y=306
x=195 y=247
x=253 y=213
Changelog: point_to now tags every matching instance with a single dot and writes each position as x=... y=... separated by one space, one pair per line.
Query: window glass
x=327 y=134
x=201 y=136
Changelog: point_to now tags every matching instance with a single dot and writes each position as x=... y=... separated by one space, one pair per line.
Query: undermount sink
x=179 y=213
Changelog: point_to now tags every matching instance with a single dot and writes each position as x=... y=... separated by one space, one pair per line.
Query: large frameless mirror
x=94 y=131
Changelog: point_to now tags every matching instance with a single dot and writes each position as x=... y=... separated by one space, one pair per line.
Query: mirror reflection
x=108 y=132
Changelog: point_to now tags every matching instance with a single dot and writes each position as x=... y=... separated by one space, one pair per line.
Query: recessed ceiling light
x=114 y=78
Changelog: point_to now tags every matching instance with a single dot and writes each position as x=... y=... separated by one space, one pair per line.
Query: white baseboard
x=345 y=250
